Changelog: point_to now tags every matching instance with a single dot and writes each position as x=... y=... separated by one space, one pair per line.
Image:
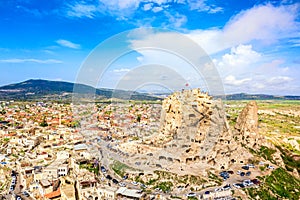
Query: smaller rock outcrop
x=246 y=131
x=247 y=121
x=247 y=127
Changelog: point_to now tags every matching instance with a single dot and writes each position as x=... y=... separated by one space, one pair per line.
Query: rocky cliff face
x=246 y=132
x=247 y=126
x=190 y=117
x=247 y=121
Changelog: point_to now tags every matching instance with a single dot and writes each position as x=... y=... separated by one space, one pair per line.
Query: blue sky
x=255 y=45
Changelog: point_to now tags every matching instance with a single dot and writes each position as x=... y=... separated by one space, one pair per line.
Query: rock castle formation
x=194 y=136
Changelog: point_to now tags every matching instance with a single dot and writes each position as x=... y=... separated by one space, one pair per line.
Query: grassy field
x=120 y=168
x=278 y=185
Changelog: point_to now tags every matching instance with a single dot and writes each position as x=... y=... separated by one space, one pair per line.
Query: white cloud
x=245 y=70
x=231 y=80
x=176 y=20
x=203 y=6
x=295 y=42
x=147 y=6
x=69 y=44
x=32 y=60
x=48 y=51
x=82 y=10
x=121 y=70
x=242 y=67
x=124 y=9
x=267 y=23
x=273 y=68
x=240 y=56
x=273 y=85
x=159 y=2
x=279 y=80
x=264 y=23
x=240 y=61
x=128 y=7
x=215 y=10
x=257 y=86
x=177 y=53
x=157 y=9
x=265 y=78
x=120 y=8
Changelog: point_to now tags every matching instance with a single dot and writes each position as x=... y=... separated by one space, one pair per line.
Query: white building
x=62 y=170
x=107 y=193
x=129 y=193
x=8 y=151
x=31 y=142
x=55 y=170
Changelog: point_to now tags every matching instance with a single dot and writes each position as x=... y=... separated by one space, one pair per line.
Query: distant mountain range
x=37 y=89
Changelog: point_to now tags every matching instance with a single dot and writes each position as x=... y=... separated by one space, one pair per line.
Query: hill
x=244 y=96
x=37 y=89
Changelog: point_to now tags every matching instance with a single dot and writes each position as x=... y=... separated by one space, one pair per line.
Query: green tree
x=138 y=119
x=44 y=123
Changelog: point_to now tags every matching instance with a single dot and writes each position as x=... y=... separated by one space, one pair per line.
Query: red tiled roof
x=53 y=194
x=10 y=135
